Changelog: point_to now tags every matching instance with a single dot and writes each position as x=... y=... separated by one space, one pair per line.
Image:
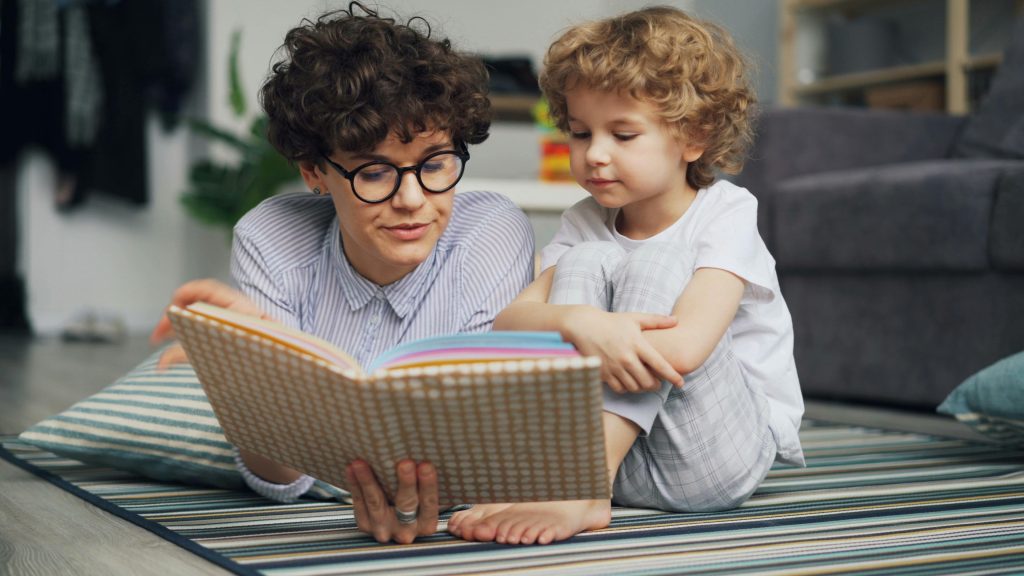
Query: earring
x=317 y=191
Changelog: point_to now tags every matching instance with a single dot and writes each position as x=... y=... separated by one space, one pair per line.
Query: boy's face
x=622 y=152
x=386 y=241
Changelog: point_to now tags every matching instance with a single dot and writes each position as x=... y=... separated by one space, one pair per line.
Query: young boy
x=661 y=273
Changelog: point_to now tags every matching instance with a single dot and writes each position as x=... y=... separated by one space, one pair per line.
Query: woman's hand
x=629 y=363
x=211 y=291
x=414 y=512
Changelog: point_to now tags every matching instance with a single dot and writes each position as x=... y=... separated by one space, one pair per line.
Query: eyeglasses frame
x=461 y=151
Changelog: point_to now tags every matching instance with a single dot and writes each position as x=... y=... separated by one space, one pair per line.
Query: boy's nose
x=596 y=155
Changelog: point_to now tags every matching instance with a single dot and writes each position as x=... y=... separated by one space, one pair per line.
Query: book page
x=474 y=347
x=288 y=337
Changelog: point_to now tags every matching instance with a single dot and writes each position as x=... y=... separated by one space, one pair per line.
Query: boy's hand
x=211 y=291
x=629 y=362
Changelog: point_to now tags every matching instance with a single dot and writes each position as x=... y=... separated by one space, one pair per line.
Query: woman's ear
x=312 y=175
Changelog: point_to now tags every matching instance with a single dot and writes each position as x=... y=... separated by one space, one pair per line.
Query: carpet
x=869 y=502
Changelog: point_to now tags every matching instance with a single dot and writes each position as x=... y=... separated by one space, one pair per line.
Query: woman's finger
x=379 y=514
x=173 y=355
x=426 y=477
x=162 y=331
x=358 y=505
x=406 y=502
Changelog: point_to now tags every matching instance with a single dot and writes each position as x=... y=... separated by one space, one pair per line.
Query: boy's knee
x=657 y=255
x=591 y=252
x=591 y=257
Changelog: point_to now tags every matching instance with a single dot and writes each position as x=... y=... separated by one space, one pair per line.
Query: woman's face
x=386 y=241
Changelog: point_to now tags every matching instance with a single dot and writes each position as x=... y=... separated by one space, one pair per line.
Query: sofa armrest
x=798 y=141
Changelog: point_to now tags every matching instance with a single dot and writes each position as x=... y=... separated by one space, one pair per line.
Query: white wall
x=754 y=27
x=492 y=28
x=107 y=256
x=110 y=257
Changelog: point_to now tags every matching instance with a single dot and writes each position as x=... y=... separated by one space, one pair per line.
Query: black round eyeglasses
x=377 y=181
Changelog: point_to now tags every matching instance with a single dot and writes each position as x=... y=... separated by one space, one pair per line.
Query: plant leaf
x=236 y=94
x=210 y=131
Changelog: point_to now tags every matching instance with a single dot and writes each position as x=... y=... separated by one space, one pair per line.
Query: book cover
x=504 y=416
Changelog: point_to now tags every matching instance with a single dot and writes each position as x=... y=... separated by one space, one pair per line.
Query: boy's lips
x=600 y=181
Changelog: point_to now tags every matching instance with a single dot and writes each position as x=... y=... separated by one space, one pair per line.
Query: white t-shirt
x=719 y=230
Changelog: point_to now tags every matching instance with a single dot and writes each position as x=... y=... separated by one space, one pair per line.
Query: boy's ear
x=312 y=174
x=692 y=152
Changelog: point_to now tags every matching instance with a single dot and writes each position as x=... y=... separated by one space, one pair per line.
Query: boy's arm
x=704 y=312
x=629 y=362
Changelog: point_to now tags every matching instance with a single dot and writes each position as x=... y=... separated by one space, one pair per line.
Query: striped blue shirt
x=287 y=256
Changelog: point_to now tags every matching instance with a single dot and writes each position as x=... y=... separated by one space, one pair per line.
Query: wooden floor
x=44 y=530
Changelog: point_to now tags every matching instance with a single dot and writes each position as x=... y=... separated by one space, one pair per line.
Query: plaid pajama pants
x=705 y=447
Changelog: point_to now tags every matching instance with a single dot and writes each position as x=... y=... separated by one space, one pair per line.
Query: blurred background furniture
x=911 y=54
x=899 y=240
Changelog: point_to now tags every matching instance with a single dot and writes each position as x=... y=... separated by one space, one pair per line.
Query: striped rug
x=869 y=502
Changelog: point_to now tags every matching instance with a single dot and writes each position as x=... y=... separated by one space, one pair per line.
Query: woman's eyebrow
x=371 y=157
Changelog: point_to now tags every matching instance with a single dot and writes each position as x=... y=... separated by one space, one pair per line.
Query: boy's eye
x=625 y=137
x=579 y=135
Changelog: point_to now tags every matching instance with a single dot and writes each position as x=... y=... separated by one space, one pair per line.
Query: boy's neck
x=645 y=218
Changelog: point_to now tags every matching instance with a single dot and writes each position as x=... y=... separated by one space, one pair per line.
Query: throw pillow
x=992 y=401
x=997 y=128
x=157 y=424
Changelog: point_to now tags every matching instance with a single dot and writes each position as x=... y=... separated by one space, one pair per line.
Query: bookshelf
x=949 y=75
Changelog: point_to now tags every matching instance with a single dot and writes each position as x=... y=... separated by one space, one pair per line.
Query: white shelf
x=530 y=195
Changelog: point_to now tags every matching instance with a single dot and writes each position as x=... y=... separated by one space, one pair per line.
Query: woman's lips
x=408 y=231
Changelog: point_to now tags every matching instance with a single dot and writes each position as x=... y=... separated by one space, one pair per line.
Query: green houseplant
x=220 y=193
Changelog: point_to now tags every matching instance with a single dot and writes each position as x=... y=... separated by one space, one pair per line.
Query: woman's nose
x=410 y=195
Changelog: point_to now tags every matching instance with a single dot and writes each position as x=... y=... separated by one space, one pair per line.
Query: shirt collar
x=403 y=296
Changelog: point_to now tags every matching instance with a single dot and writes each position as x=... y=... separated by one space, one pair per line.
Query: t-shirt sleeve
x=574 y=227
x=730 y=241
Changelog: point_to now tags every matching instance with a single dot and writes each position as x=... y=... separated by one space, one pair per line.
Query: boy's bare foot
x=530 y=522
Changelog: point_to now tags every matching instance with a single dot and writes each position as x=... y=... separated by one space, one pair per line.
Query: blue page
x=500 y=339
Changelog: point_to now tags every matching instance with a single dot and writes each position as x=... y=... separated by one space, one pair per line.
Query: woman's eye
x=374 y=174
x=433 y=166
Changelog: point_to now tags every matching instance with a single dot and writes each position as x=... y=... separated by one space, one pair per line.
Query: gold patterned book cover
x=504 y=416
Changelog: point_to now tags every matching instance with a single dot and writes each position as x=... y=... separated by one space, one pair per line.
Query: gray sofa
x=899 y=240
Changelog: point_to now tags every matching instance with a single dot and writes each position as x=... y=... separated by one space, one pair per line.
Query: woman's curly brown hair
x=690 y=70
x=349 y=80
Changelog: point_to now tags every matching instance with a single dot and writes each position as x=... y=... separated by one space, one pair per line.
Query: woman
x=377 y=116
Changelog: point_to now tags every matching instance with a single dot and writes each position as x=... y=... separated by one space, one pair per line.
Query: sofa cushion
x=996 y=130
x=1007 y=237
x=931 y=215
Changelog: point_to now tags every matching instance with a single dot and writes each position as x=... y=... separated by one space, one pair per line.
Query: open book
x=503 y=416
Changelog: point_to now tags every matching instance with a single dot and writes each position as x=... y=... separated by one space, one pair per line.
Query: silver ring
x=407 y=517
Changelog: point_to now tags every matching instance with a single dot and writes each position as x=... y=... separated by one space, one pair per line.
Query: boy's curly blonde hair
x=689 y=69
